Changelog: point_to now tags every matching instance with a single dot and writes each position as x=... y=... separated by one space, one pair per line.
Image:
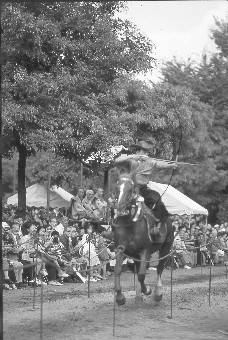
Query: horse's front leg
x=120 y=299
x=144 y=260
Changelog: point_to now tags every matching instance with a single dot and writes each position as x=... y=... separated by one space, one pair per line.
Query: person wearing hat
x=144 y=168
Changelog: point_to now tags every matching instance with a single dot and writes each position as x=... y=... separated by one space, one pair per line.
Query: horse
x=134 y=238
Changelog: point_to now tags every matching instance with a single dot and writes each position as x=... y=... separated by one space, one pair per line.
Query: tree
x=59 y=63
x=209 y=81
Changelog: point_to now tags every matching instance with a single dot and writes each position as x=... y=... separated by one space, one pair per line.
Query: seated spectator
x=66 y=241
x=190 y=244
x=29 y=256
x=213 y=247
x=78 y=211
x=7 y=283
x=99 y=205
x=88 y=205
x=74 y=236
x=203 y=249
x=41 y=240
x=222 y=246
x=53 y=254
x=12 y=250
x=180 y=248
x=50 y=266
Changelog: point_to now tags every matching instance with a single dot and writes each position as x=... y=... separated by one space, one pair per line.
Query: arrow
x=166 y=160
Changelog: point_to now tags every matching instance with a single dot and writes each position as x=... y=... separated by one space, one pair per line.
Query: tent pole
x=49 y=182
x=189 y=221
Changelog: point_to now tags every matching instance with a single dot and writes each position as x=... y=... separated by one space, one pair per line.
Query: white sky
x=177 y=28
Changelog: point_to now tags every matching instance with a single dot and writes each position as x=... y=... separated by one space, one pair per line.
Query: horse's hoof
x=158 y=298
x=148 y=291
x=121 y=302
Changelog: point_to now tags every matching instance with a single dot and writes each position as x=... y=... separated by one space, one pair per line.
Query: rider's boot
x=155 y=233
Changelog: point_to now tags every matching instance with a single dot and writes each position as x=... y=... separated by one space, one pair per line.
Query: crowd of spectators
x=69 y=245
x=58 y=246
x=197 y=243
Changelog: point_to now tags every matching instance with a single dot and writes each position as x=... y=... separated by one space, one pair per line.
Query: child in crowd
x=89 y=252
x=103 y=254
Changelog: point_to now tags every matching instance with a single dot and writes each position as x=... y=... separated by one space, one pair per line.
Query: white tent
x=176 y=202
x=36 y=195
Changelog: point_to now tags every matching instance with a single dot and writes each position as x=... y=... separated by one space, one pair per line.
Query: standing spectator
x=197 y=246
x=89 y=252
x=103 y=255
x=213 y=247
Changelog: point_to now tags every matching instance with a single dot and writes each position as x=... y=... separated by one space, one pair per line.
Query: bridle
x=132 y=195
x=129 y=204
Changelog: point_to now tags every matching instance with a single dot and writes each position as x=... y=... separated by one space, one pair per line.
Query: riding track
x=68 y=313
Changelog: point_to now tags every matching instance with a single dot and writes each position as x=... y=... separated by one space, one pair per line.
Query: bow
x=179 y=147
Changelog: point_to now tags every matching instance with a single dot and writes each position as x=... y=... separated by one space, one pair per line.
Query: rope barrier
x=107 y=261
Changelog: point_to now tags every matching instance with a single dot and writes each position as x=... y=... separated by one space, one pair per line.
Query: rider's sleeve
x=123 y=162
x=160 y=165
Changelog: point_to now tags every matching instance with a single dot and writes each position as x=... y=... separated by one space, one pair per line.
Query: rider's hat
x=142 y=145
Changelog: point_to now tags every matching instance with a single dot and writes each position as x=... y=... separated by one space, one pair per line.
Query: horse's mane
x=130 y=176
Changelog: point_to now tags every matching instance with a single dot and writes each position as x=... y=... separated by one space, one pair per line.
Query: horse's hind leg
x=120 y=299
x=158 y=290
x=144 y=258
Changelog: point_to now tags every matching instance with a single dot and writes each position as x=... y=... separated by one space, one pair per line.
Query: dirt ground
x=68 y=313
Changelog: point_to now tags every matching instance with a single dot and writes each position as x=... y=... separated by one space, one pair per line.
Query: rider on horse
x=144 y=167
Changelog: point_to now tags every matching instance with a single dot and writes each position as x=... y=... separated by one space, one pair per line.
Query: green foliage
x=60 y=61
x=208 y=80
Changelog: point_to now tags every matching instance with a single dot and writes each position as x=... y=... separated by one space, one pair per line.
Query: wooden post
x=81 y=176
x=171 y=293
x=49 y=182
x=89 y=276
x=201 y=264
x=114 y=313
x=210 y=285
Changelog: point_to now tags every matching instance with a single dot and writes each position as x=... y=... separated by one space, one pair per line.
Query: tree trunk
x=106 y=173
x=21 y=179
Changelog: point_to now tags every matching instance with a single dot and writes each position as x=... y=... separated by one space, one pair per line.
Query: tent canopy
x=36 y=195
x=176 y=202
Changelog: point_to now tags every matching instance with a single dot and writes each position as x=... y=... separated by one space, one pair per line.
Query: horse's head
x=126 y=188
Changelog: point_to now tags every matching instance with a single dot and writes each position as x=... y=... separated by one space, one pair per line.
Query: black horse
x=134 y=238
